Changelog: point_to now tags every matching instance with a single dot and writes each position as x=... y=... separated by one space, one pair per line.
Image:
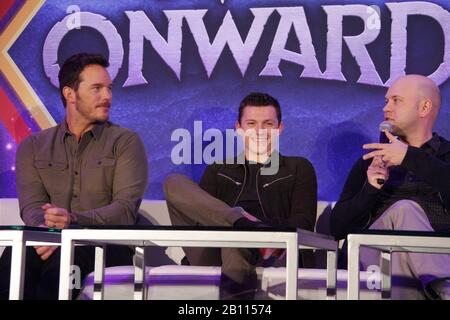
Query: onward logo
x=169 y=47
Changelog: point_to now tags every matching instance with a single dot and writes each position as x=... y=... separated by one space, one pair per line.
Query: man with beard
x=403 y=185
x=84 y=171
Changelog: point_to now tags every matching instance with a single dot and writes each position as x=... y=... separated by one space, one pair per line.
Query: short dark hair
x=258 y=99
x=69 y=74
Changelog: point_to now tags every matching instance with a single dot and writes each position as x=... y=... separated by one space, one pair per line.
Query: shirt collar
x=433 y=144
x=96 y=130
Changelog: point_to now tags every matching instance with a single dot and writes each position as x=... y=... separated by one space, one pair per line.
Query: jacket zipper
x=243 y=185
x=257 y=193
x=236 y=182
x=269 y=183
x=442 y=202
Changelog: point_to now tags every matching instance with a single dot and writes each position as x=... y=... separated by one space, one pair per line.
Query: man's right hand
x=250 y=217
x=265 y=253
x=56 y=217
x=44 y=252
x=377 y=170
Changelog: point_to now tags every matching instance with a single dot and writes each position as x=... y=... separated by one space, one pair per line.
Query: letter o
x=88 y=19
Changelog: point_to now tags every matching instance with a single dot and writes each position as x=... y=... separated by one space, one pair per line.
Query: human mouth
x=104 y=106
x=260 y=139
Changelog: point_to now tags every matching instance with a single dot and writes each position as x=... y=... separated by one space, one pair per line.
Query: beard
x=398 y=132
x=91 y=114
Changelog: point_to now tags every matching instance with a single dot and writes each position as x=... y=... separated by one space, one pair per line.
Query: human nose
x=106 y=94
x=260 y=129
x=387 y=107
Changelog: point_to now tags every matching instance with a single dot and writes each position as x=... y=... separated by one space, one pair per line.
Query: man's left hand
x=44 y=252
x=392 y=154
x=56 y=217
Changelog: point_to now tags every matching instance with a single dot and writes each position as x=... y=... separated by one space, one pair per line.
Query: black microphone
x=384 y=126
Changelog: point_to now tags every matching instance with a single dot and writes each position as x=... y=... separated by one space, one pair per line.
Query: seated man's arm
x=30 y=189
x=208 y=182
x=130 y=182
x=353 y=209
x=304 y=198
x=430 y=169
x=31 y=192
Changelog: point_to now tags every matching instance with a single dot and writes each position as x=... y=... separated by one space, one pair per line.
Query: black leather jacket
x=287 y=198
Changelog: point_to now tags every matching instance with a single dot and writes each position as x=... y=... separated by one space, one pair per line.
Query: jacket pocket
x=49 y=164
x=230 y=179
x=98 y=178
x=101 y=163
x=276 y=180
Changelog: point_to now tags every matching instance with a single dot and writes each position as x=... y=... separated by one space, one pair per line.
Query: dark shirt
x=101 y=179
x=422 y=177
x=249 y=199
x=405 y=184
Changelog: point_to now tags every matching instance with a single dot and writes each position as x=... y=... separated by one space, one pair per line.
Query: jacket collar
x=444 y=145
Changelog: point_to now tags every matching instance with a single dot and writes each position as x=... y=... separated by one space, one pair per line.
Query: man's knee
x=171 y=183
x=405 y=206
x=406 y=209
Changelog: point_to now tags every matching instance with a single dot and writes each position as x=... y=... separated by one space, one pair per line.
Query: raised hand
x=392 y=154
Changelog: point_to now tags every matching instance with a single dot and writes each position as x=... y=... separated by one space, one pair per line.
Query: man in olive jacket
x=83 y=171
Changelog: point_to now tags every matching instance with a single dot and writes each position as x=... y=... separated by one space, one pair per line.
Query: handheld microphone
x=385 y=125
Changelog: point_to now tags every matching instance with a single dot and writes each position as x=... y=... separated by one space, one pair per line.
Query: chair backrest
x=155 y=212
x=323 y=216
x=151 y=211
x=10 y=212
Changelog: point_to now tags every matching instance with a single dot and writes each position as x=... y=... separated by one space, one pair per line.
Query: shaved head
x=412 y=106
x=425 y=88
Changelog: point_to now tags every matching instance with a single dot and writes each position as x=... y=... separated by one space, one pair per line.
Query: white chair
x=9 y=214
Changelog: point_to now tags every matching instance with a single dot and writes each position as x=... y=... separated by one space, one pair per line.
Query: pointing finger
x=373 y=146
x=373 y=154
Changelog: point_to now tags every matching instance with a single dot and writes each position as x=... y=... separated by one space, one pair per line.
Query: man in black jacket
x=415 y=195
x=241 y=195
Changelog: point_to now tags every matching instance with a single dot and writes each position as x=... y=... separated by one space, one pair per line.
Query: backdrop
x=176 y=62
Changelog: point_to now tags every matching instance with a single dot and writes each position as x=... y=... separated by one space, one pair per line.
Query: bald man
x=416 y=194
